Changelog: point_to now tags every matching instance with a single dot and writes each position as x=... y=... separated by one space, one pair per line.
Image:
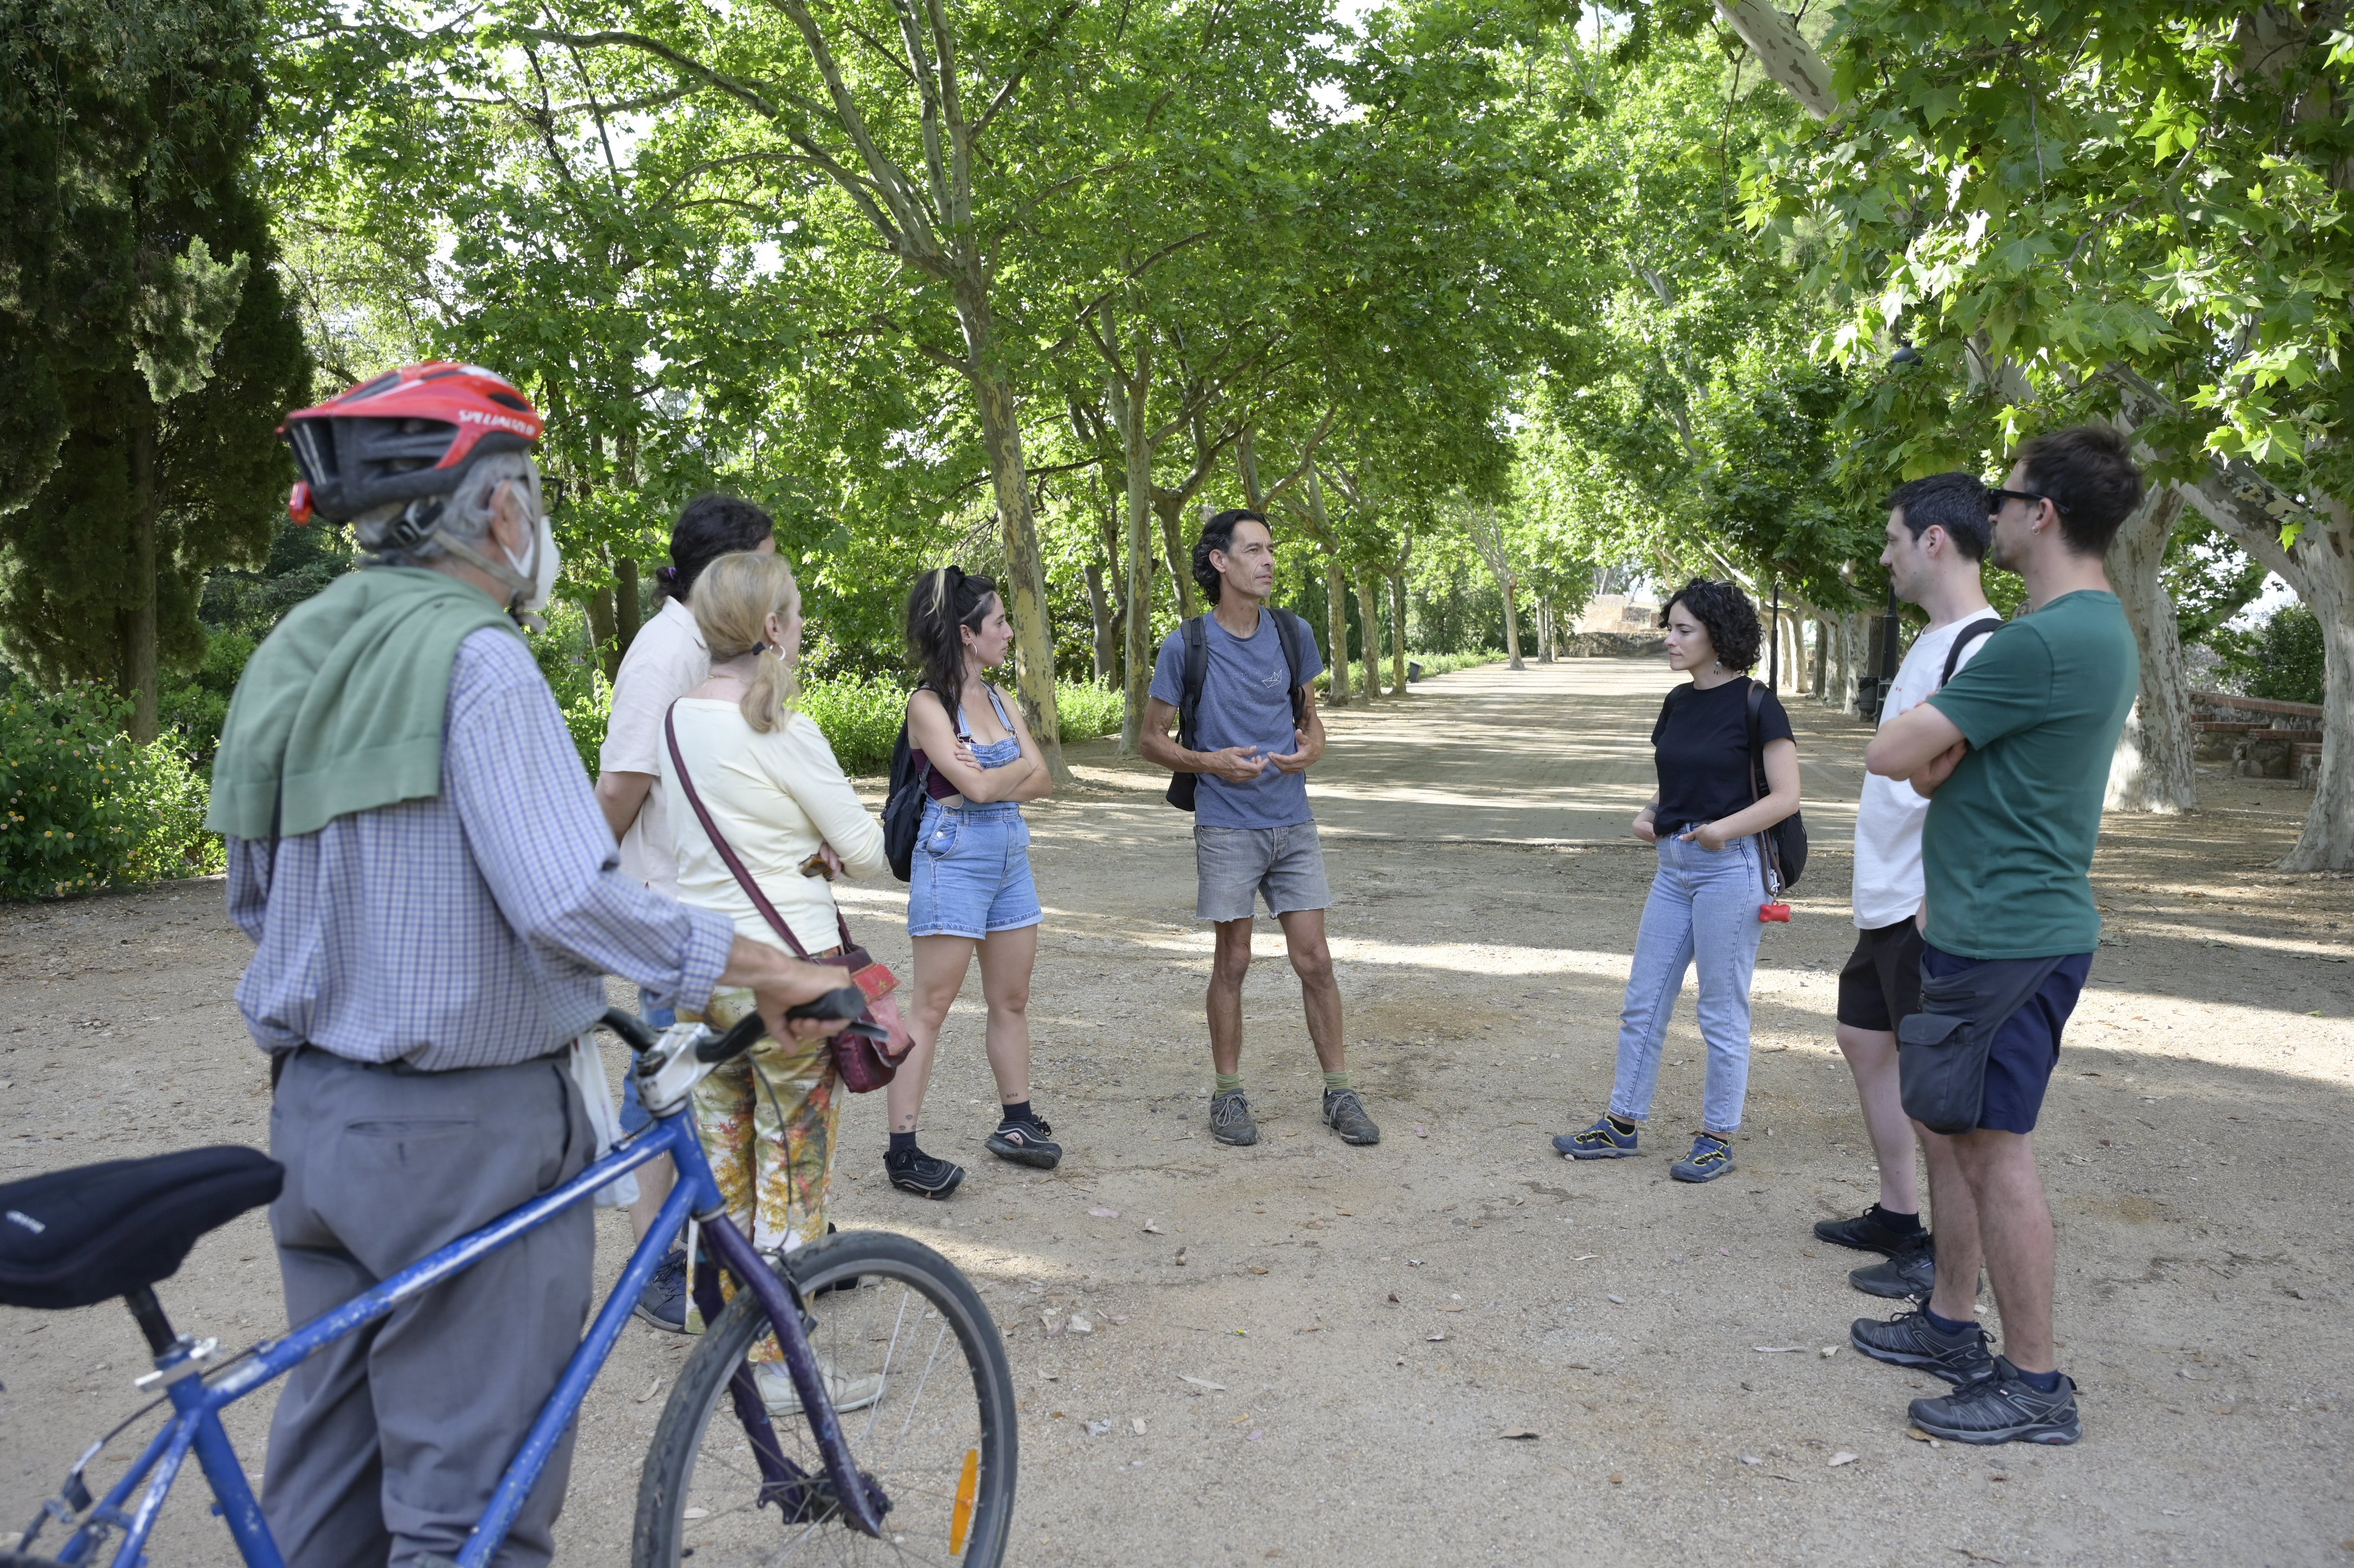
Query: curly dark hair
x=1730 y=620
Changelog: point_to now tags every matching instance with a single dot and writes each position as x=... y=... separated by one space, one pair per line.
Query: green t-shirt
x=2007 y=851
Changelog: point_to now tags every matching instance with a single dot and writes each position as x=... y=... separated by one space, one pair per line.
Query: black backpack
x=1289 y=630
x=903 y=808
x=1786 y=840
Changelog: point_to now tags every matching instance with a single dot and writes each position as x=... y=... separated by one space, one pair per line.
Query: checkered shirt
x=473 y=929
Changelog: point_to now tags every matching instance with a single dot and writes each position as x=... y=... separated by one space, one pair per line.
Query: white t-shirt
x=776 y=797
x=666 y=659
x=1888 y=821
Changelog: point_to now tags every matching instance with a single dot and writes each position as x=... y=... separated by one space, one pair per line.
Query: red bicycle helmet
x=411 y=432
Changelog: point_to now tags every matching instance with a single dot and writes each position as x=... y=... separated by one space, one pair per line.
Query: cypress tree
x=146 y=349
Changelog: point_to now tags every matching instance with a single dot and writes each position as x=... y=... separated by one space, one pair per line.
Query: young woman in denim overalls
x=969 y=889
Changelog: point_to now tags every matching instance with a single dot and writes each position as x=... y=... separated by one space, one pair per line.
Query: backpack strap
x=1197 y=671
x=1983 y=626
x=1287 y=633
x=1770 y=860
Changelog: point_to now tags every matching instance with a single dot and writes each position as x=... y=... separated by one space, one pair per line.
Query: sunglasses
x=2032 y=501
x=551 y=493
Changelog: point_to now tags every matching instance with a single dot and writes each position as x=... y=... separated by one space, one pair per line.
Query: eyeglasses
x=2033 y=500
x=551 y=493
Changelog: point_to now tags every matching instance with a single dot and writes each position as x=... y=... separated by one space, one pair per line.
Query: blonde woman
x=774 y=790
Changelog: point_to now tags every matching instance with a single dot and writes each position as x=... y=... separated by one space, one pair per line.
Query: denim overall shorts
x=971 y=874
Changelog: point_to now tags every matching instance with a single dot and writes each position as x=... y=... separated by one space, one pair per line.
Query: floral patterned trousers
x=768 y=1121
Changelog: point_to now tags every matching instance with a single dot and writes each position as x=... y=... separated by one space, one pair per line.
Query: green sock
x=1227 y=1082
x=1334 y=1082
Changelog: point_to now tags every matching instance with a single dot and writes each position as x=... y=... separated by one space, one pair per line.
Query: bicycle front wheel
x=903 y=1338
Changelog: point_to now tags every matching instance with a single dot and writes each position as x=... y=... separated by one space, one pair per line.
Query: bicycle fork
x=862 y=1501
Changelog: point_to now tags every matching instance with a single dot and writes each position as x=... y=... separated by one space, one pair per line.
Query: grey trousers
x=388 y=1443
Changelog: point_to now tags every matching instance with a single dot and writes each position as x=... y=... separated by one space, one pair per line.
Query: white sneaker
x=848 y=1393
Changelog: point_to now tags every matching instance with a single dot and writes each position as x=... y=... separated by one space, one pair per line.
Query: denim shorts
x=971 y=871
x=1236 y=866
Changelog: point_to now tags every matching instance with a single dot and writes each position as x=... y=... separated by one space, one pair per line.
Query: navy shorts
x=2026 y=1047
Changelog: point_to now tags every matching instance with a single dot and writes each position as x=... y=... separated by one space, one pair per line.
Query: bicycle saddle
x=75 y=1237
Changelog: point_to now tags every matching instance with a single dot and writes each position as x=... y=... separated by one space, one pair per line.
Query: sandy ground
x=1379 y=1318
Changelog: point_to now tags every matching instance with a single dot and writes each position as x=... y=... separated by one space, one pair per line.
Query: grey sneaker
x=1910 y=1339
x=1911 y=1274
x=1344 y=1113
x=2002 y=1407
x=1230 y=1119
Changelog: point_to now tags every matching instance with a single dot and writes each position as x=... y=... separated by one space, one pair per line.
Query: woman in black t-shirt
x=1705 y=819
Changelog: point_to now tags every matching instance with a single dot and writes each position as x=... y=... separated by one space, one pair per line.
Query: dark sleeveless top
x=936 y=784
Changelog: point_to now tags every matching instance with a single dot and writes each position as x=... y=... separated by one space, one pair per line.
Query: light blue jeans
x=1703 y=905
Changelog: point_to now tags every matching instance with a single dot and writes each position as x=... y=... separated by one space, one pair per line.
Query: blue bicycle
x=904 y=1445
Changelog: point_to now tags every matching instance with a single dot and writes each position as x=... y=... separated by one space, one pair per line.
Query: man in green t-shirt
x=2014 y=754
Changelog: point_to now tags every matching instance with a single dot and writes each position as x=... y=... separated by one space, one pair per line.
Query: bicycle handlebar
x=845 y=1002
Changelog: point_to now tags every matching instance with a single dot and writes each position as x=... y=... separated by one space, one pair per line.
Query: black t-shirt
x=1702 y=747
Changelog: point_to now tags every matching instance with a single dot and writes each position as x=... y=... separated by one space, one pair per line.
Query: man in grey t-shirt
x=1254 y=835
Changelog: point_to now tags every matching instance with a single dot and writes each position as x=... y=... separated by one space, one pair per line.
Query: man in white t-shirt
x=1938 y=528
x=665 y=660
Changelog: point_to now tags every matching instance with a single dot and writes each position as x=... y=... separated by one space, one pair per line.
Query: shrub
x=168 y=796
x=2280 y=660
x=860 y=716
x=1088 y=709
x=84 y=807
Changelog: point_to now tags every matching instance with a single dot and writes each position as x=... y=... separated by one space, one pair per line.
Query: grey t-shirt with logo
x=1245 y=701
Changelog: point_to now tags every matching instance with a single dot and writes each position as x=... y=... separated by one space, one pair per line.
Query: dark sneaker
x=1600 y=1141
x=2001 y=1408
x=1908 y=1275
x=1710 y=1159
x=662 y=1302
x=1230 y=1119
x=1910 y=1339
x=1344 y=1113
x=918 y=1172
x=1026 y=1143
x=1869 y=1230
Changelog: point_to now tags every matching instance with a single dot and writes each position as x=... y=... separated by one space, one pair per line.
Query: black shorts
x=1882 y=981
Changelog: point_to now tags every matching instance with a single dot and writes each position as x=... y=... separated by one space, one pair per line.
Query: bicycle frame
x=197 y=1400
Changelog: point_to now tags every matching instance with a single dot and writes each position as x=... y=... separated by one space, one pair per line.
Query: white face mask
x=545 y=561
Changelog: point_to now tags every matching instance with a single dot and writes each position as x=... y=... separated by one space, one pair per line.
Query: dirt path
x=2190 y=1144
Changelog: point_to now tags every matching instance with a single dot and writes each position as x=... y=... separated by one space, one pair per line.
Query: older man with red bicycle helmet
x=435 y=902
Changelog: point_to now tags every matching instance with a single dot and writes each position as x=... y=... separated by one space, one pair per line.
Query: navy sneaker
x=662 y=1302
x=1870 y=1231
x=1910 y=1339
x=1910 y=1275
x=1600 y=1141
x=1710 y=1158
x=2002 y=1407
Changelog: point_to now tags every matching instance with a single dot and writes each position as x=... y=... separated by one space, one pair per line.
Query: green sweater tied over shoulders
x=341 y=708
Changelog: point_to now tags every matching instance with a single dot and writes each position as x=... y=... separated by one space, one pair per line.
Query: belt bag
x=1942 y=1049
x=863 y=1067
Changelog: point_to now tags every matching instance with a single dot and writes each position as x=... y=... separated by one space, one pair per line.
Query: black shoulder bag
x=1288 y=632
x=903 y=808
x=1786 y=840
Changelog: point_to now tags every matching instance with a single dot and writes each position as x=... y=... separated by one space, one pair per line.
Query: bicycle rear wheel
x=938 y=1439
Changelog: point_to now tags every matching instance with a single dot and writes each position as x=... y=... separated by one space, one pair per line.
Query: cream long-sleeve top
x=777 y=797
